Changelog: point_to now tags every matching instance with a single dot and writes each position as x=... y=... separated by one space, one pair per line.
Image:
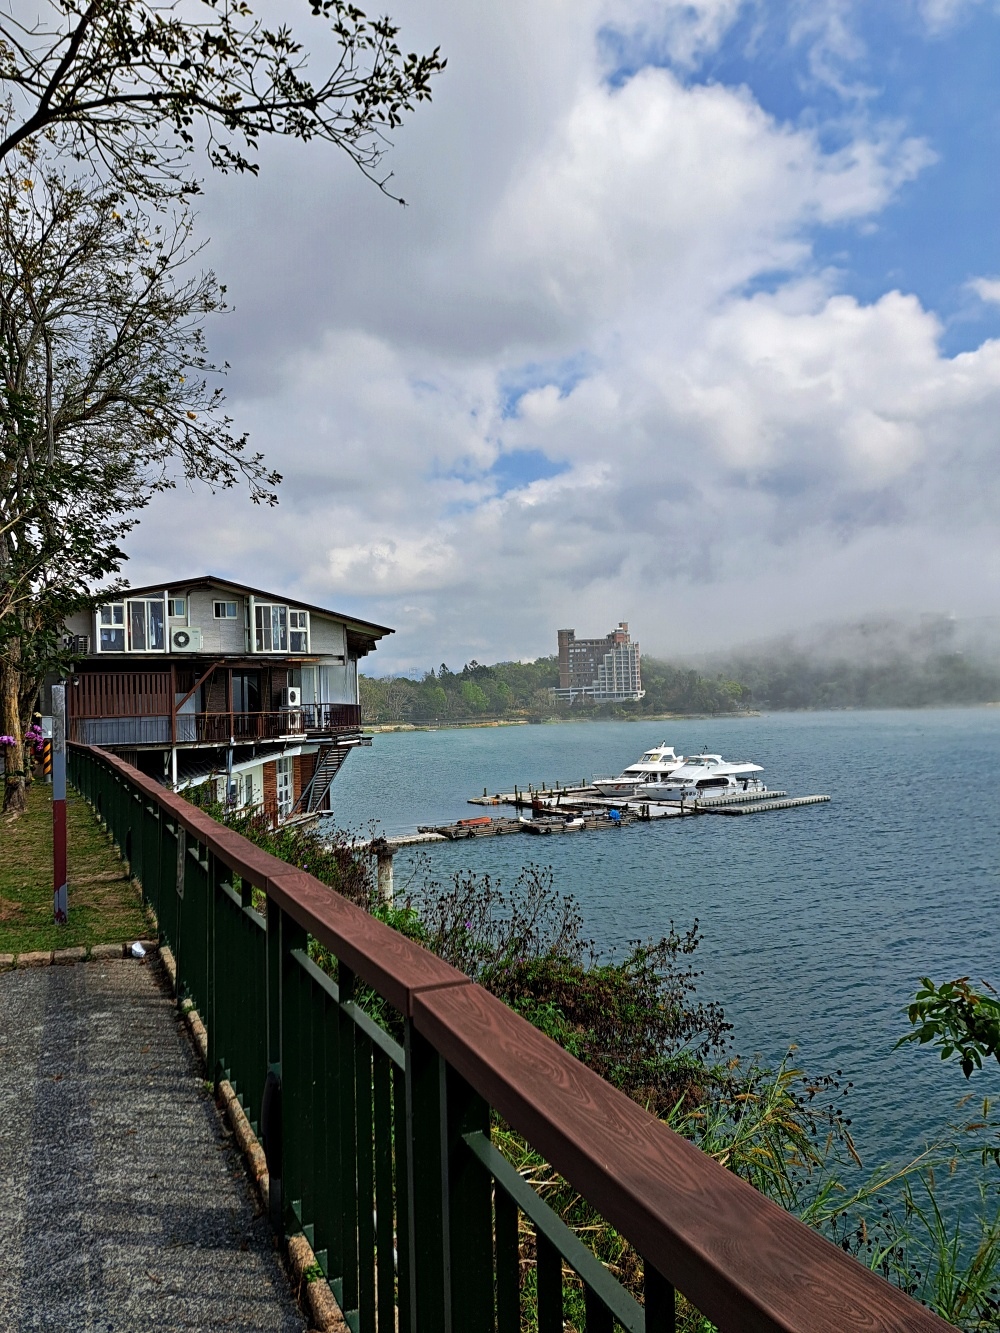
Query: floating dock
x=758 y=807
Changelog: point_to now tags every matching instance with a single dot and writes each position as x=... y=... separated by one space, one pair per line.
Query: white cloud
x=618 y=277
x=987 y=289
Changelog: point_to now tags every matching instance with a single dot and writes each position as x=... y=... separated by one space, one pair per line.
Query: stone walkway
x=123 y=1204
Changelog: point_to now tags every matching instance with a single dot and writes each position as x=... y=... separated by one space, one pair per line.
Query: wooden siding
x=120 y=694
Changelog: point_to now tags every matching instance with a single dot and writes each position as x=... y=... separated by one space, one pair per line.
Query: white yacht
x=704 y=775
x=656 y=766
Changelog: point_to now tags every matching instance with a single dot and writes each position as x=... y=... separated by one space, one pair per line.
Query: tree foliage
x=128 y=84
x=521 y=690
x=107 y=394
x=958 y=1020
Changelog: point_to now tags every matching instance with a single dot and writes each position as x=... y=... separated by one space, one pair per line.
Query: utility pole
x=60 y=894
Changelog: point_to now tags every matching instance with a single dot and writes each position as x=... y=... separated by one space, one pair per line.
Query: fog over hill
x=880 y=661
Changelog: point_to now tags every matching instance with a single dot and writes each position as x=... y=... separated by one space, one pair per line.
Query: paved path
x=123 y=1205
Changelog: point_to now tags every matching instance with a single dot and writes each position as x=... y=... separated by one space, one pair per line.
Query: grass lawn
x=103 y=907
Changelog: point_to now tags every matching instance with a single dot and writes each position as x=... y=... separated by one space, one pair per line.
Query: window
x=145 y=625
x=177 y=608
x=283 y=776
x=225 y=610
x=111 y=638
x=271 y=628
x=280 y=630
x=141 y=618
x=298 y=631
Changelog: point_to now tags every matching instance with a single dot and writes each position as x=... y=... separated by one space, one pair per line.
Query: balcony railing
x=216 y=728
x=380 y=1150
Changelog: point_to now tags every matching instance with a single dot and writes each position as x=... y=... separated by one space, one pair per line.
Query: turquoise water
x=817 y=923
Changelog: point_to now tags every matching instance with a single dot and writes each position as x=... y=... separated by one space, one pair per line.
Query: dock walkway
x=125 y=1205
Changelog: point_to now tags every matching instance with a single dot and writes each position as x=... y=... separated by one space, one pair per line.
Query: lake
x=817 y=923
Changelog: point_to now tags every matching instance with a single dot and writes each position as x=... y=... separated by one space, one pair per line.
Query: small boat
x=552 y=824
x=704 y=775
x=656 y=765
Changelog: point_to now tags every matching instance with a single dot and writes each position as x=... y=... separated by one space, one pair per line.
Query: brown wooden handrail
x=742 y=1260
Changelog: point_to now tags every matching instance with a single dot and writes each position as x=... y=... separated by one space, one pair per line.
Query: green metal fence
x=380 y=1152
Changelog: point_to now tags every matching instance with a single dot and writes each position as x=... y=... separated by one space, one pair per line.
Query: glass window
x=284 y=784
x=177 y=608
x=225 y=610
x=145 y=625
x=112 y=628
x=271 y=629
x=298 y=631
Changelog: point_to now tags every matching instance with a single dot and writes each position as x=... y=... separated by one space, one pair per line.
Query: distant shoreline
x=373 y=727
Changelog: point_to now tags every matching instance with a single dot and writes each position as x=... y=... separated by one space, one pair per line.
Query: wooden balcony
x=309 y=722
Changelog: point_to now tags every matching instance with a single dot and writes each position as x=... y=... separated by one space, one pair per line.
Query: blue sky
x=693 y=320
x=940 y=81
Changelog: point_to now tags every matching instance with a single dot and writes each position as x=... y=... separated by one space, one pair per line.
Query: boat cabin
x=205 y=679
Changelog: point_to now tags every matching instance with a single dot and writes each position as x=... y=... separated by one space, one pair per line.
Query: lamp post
x=60 y=892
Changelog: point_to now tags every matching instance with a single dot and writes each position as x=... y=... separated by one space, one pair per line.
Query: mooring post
x=383 y=872
x=60 y=891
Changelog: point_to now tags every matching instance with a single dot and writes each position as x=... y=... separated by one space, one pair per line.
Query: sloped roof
x=213 y=581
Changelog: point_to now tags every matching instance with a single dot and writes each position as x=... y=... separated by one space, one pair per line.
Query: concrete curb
x=68 y=957
x=313 y=1293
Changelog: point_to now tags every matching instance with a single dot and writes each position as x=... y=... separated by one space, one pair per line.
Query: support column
x=60 y=891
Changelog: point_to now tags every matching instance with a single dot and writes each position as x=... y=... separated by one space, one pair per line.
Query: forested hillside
x=510 y=691
x=797 y=681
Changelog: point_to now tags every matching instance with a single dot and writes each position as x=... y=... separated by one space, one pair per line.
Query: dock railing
x=380 y=1152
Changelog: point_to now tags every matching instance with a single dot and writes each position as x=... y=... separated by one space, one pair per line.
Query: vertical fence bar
x=659 y=1299
x=508 y=1264
x=385 y=1282
x=599 y=1318
x=548 y=1263
x=401 y=1154
x=470 y=1208
x=295 y=1075
x=366 y=1182
x=348 y=1141
x=430 y=1279
x=271 y=1109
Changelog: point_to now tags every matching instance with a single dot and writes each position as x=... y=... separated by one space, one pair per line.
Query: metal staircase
x=328 y=764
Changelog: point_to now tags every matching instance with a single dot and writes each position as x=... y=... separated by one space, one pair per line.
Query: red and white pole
x=60 y=894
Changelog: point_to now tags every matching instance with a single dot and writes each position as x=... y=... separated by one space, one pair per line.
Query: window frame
x=303 y=628
x=174 y=602
x=284 y=768
x=124 y=625
x=226 y=604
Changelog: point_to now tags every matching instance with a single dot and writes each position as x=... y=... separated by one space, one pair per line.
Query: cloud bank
x=593 y=371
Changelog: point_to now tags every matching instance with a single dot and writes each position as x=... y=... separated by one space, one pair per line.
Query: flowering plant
x=33 y=737
x=7 y=740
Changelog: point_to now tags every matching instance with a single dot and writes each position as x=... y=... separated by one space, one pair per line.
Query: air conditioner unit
x=292 y=697
x=185 y=639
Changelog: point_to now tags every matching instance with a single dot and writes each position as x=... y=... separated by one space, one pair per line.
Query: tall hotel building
x=599 y=670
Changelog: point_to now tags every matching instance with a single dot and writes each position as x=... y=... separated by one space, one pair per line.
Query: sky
x=691 y=319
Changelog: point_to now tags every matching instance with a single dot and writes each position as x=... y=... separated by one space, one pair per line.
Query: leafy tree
x=473 y=697
x=106 y=392
x=127 y=85
x=958 y=1020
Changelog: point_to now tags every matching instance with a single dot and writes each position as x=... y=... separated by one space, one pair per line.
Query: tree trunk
x=10 y=725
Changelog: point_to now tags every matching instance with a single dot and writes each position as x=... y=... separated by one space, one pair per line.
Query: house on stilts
x=205 y=680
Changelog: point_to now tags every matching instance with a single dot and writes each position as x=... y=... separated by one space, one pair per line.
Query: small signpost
x=60 y=895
